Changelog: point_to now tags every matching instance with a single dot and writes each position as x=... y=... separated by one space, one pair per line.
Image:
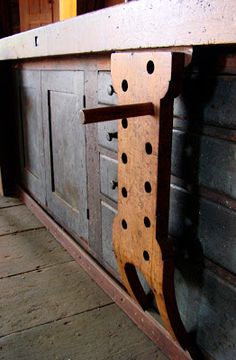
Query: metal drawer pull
x=111 y=135
x=110 y=90
x=89 y=116
x=114 y=184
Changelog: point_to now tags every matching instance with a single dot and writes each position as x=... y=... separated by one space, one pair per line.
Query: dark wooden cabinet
x=65 y=152
x=32 y=166
x=53 y=144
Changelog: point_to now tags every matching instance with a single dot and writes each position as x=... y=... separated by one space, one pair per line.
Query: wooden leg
x=140 y=230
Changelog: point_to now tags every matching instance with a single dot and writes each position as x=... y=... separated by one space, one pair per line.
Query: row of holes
x=146 y=222
x=148 y=148
x=150 y=67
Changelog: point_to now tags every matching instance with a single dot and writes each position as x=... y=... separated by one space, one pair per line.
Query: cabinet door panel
x=66 y=180
x=31 y=134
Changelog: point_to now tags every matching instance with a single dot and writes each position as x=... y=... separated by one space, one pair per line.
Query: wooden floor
x=49 y=307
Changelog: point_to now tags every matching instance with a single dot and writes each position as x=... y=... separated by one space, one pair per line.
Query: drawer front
x=108 y=177
x=107 y=135
x=108 y=214
x=105 y=94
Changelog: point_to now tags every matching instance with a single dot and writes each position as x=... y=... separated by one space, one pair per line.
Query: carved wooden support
x=140 y=230
x=146 y=84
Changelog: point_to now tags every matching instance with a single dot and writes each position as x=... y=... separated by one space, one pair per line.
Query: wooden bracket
x=146 y=84
x=140 y=229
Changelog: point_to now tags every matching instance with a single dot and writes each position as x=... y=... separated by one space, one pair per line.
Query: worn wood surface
x=145 y=321
x=9 y=201
x=157 y=24
x=15 y=219
x=64 y=142
x=28 y=251
x=29 y=122
x=100 y=334
x=51 y=309
x=45 y=295
x=140 y=229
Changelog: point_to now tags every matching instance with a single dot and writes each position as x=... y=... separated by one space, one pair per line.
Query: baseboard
x=145 y=322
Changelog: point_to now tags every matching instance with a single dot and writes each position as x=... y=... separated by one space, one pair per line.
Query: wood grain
x=6 y=201
x=157 y=24
x=28 y=251
x=140 y=230
x=46 y=295
x=15 y=219
x=100 y=334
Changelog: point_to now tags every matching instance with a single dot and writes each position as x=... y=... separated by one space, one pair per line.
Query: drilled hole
x=147 y=222
x=148 y=148
x=124 y=85
x=124 y=192
x=124 y=123
x=147 y=187
x=124 y=224
x=150 y=67
x=146 y=255
x=36 y=41
x=124 y=158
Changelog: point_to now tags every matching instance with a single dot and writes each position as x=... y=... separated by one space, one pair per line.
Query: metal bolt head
x=110 y=90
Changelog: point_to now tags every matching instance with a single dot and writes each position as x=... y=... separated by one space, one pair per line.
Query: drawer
x=107 y=135
x=105 y=95
x=108 y=177
x=108 y=214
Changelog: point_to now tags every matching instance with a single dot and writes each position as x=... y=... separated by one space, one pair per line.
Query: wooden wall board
x=217 y=318
x=104 y=333
x=183 y=23
x=15 y=219
x=35 y=13
x=199 y=225
x=29 y=251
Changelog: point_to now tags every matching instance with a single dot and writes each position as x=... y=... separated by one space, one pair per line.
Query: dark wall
x=9 y=17
x=203 y=199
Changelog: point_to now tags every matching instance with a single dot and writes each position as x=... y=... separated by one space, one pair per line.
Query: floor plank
x=101 y=334
x=27 y=251
x=46 y=295
x=17 y=218
x=8 y=201
x=50 y=308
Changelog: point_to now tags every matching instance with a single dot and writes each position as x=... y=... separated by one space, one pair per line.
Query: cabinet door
x=31 y=134
x=65 y=153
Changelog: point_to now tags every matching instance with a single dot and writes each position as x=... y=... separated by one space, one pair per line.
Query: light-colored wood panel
x=157 y=24
x=45 y=295
x=27 y=251
x=101 y=334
